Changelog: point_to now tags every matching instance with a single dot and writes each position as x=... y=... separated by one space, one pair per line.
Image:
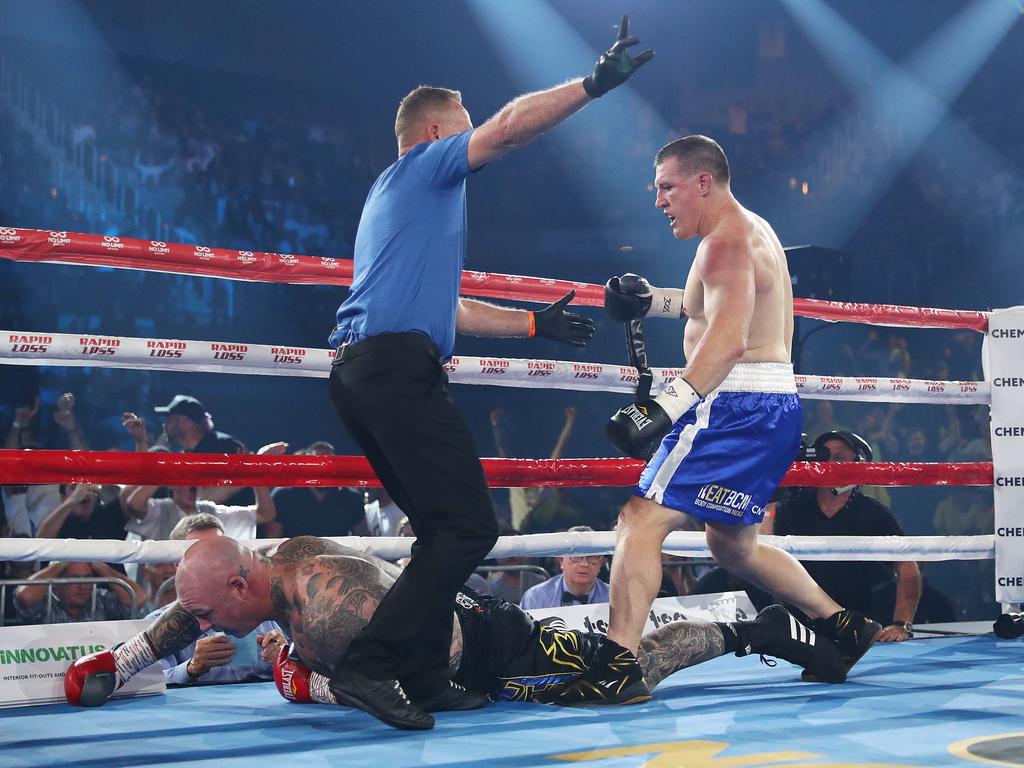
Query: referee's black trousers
x=391 y=393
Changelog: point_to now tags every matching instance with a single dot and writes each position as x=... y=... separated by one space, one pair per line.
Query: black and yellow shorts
x=510 y=656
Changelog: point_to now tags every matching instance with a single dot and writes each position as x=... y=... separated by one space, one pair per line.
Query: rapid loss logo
x=166 y=349
x=866 y=384
x=900 y=385
x=831 y=383
x=540 y=368
x=9 y=235
x=968 y=387
x=158 y=248
x=112 y=243
x=97 y=345
x=202 y=252
x=936 y=386
x=496 y=367
x=452 y=365
x=287 y=355
x=801 y=382
x=229 y=351
x=588 y=371
x=29 y=343
x=58 y=238
x=628 y=375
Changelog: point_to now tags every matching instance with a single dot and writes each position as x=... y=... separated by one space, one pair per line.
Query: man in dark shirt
x=189 y=426
x=846 y=512
x=316 y=511
x=81 y=515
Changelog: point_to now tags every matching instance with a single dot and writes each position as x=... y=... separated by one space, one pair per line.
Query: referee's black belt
x=386 y=343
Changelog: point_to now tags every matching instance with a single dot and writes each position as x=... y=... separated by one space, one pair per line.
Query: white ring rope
x=67 y=349
x=682 y=543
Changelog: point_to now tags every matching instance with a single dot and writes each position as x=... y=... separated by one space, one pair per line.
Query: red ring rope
x=41 y=467
x=126 y=252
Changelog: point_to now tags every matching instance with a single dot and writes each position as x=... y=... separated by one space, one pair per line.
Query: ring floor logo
x=1005 y=749
x=705 y=754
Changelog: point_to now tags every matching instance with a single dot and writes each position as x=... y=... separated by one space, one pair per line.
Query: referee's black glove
x=615 y=67
x=553 y=322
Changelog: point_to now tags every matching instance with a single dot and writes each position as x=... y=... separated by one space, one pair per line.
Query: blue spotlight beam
x=540 y=49
x=912 y=102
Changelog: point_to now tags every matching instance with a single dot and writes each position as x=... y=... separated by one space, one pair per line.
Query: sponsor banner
x=19 y=347
x=1004 y=357
x=33 y=659
x=722 y=606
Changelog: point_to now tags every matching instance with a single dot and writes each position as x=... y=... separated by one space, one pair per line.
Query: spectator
x=153 y=518
x=74 y=602
x=213 y=657
x=81 y=515
x=316 y=511
x=846 y=512
x=577 y=584
x=136 y=427
x=189 y=426
x=534 y=508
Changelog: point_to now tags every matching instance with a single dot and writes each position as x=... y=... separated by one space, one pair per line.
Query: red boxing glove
x=291 y=676
x=90 y=680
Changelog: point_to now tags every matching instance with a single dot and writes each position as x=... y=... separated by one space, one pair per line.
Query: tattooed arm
x=175 y=630
x=677 y=646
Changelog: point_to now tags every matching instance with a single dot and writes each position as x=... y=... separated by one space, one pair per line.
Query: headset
x=856 y=443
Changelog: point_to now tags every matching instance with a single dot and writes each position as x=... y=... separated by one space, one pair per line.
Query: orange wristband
x=533 y=326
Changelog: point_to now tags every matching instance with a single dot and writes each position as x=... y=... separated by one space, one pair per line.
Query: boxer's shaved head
x=213 y=583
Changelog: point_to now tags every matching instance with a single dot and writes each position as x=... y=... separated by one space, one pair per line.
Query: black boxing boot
x=450 y=697
x=776 y=632
x=851 y=633
x=614 y=677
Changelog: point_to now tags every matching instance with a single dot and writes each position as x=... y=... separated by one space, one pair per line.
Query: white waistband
x=760 y=377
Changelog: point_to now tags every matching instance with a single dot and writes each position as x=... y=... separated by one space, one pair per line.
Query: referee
x=388 y=385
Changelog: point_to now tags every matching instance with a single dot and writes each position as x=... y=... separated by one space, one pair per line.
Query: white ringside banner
x=69 y=349
x=721 y=606
x=33 y=659
x=1004 y=363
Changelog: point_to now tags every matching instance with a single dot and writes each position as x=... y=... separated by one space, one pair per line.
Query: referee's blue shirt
x=410 y=248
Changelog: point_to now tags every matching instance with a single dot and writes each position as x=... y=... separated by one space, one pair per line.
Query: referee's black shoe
x=776 y=632
x=614 y=677
x=851 y=633
x=384 y=699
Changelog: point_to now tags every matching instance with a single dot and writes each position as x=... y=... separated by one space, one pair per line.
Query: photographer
x=844 y=511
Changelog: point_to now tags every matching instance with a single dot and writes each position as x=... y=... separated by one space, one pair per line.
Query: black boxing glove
x=553 y=322
x=638 y=429
x=615 y=67
x=631 y=297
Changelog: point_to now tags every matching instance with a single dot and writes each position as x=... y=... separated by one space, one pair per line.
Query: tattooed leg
x=677 y=646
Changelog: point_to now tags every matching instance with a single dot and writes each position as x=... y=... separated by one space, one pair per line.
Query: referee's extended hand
x=615 y=66
x=553 y=322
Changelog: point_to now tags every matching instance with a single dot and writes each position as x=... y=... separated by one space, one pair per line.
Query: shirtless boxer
x=323 y=594
x=720 y=437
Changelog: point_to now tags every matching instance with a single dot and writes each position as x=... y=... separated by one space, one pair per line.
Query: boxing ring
x=951 y=696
